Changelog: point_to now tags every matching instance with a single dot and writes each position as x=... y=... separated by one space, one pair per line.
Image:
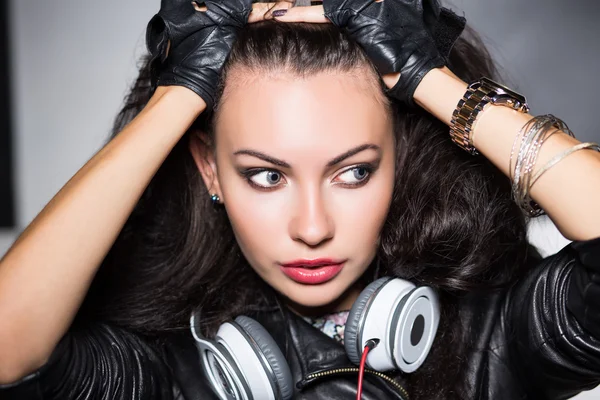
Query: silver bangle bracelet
x=559 y=157
x=533 y=135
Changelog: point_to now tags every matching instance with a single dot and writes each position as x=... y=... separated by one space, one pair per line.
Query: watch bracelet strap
x=463 y=118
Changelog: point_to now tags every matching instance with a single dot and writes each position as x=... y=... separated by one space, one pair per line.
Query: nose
x=311 y=222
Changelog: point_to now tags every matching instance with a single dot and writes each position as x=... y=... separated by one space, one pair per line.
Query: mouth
x=313 y=272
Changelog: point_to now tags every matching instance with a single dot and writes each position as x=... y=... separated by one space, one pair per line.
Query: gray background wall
x=73 y=61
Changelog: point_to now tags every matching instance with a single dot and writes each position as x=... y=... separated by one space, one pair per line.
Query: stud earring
x=215 y=198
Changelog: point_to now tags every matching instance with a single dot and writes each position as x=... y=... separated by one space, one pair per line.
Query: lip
x=317 y=262
x=313 y=272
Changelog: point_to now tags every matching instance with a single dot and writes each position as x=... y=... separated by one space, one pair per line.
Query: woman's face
x=305 y=169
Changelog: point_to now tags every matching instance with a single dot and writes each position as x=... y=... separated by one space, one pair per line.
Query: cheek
x=257 y=219
x=360 y=214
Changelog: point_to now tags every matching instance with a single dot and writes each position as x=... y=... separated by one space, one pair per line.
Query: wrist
x=419 y=64
x=439 y=92
x=185 y=98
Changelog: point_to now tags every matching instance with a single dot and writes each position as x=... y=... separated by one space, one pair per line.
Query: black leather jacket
x=537 y=340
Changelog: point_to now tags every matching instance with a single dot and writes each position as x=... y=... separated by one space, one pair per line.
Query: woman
x=215 y=200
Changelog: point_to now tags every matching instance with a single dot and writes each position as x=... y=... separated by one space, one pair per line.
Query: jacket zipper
x=340 y=371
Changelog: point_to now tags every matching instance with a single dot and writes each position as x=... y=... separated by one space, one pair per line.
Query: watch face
x=506 y=96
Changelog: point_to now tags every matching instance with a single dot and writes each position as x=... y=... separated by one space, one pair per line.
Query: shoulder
x=98 y=361
x=526 y=338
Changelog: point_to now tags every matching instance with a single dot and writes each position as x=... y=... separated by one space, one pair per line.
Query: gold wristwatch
x=479 y=94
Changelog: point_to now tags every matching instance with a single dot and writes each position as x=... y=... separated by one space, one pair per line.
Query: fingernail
x=279 y=13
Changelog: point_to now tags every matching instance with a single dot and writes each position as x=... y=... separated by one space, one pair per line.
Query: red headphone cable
x=370 y=345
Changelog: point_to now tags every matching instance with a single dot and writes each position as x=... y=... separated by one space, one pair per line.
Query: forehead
x=286 y=113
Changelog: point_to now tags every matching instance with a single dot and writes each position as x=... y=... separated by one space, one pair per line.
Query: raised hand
x=397 y=35
x=189 y=44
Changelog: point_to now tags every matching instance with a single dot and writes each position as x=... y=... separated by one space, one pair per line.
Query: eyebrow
x=334 y=161
x=353 y=151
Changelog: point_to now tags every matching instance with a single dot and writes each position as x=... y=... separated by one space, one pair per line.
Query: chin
x=320 y=296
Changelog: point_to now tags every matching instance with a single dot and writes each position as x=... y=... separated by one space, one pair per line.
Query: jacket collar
x=312 y=349
x=312 y=356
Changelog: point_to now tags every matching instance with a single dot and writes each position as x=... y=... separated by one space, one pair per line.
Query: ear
x=202 y=151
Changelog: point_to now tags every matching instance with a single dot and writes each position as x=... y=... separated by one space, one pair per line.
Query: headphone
x=244 y=362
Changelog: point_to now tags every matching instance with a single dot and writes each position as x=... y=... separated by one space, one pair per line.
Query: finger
x=198 y=7
x=279 y=6
x=306 y=3
x=390 y=80
x=258 y=11
x=262 y=11
x=313 y=14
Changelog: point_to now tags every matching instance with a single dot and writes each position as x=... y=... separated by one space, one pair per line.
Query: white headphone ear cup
x=403 y=317
x=413 y=328
x=355 y=320
x=267 y=347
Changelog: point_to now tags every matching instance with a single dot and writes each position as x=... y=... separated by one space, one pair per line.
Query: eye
x=265 y=178
x=355 y=176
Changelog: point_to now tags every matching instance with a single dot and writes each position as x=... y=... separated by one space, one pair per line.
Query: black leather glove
x=407 y=36
x=189 y=47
